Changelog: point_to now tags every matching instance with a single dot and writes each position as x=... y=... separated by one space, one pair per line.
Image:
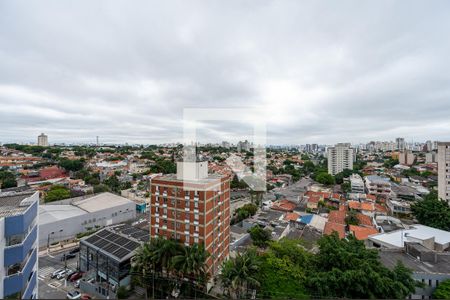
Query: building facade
x=340 y=157
x=193 y=211
x=444 y=171
x=42 y=140
x=357 y=184
x=406 y=158
x=18 y=245
x=378 y=186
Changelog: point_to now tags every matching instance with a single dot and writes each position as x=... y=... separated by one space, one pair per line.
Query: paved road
x=54 y=288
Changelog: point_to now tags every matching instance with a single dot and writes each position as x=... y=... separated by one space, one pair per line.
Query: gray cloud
x=321 y=72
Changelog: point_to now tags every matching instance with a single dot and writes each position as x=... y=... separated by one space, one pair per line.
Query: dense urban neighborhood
x=115 y=221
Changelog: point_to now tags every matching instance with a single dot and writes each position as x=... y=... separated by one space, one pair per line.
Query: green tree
x=351 y=218
x=432 y=212
x=282 y=271
x=239 y=274
x=442 y=291
x=325 y=178
x=57 y=192
x=191 y=262
x=7 y=180
x=346 y=269
x=260 y=236
x=72 y=165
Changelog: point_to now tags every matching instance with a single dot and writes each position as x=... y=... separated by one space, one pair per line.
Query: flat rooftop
x=390 y=258
x=52 y=213
x=421 y=232
x=101 y=201
x=13 y=203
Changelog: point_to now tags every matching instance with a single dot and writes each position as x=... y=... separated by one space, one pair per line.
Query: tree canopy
x=442 y=291
x=7 y=179
x=340 y=269
x=432 y=212
x=57 y=192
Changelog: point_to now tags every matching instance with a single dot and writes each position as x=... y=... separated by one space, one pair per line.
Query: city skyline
x=352 y=72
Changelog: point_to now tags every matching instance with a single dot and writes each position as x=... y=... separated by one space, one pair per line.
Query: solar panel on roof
x=121 y=253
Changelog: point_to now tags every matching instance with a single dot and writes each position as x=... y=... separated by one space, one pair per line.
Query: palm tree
x=238 y=274
x=142 y=266
x=191 y=261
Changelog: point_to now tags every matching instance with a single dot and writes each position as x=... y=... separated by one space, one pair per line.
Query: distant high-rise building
x=428 y=146
x=430 y=157
x=340 y=157
x=444 y=171
x=400 y=143
x=193 y=206
x=406 y=158
x=243 y=146
x=18 y=245
x=42 y=140
x=225 y=145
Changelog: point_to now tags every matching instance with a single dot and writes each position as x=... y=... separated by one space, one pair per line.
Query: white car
x=73 y=295
x=61 y=274
x=55 y=273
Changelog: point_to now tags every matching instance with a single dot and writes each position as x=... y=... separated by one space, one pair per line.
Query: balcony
x=17 y=253
x=19 y=281
x=20 y=223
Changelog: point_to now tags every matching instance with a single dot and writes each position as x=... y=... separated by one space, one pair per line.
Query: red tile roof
x=291 y=217
x=284 y=205
x=330 y=227
x=314 y=199
x=362 y=233
x=337 y=216
x=364 y=220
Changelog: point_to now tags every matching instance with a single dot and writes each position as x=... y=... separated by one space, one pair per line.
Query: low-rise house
x=379 y=186
x=431 y=238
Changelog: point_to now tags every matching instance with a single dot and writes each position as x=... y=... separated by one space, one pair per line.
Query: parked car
x=74 y=295
x=55 y=273
x=68 y=256
x=61 y=274
x=75 y=250
x=70 y=273
x=76 y=276
x=86 y=297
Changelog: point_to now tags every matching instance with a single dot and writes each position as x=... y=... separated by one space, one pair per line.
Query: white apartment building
x=340 y=157
x=357 y=184
x=42 y=140
x=444 y=171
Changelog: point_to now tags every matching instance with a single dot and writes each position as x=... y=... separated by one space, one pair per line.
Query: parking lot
x=54 y=288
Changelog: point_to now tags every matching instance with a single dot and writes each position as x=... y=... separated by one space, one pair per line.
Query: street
x=54 y=288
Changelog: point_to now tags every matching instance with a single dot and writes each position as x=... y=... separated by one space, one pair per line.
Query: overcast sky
x=316 y=71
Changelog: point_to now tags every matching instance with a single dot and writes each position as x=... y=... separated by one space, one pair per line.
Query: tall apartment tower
x=340 y=157
x=193 y=206
x=400 y=144
x=444 y=171
x=42 y=140
x=18 y=245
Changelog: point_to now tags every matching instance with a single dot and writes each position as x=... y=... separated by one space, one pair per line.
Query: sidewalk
x=58 y=249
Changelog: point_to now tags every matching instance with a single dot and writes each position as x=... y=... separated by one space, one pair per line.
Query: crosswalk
x=44 y=272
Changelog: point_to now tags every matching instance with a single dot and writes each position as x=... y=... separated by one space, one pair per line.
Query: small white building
x=63 y=220
x=429 y=237
x=357 y=184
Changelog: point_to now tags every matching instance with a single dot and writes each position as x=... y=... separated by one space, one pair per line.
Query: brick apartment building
x=193 y=207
